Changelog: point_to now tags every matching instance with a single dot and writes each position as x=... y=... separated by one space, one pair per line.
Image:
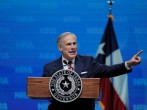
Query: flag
x=114 y=90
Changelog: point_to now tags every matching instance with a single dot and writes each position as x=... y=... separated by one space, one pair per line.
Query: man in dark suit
x=86 y=67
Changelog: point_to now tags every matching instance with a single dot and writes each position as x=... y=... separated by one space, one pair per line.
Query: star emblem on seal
x=65 y=84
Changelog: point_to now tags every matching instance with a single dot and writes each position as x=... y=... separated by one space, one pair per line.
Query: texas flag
x=114 y=90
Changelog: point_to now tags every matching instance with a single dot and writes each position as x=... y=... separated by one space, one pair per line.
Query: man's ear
x=60 y=47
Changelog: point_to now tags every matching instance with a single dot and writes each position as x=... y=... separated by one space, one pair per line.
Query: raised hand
x=135 y=60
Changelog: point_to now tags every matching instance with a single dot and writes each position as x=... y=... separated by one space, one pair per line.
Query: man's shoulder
x=51 y=63
x=85 y=57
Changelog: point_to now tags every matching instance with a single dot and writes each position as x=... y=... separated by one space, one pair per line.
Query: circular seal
x=65 y=85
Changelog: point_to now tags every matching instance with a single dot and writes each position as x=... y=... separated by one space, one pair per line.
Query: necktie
x=69 y=65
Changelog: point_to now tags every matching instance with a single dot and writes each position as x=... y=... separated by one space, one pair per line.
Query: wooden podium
x=38 y=87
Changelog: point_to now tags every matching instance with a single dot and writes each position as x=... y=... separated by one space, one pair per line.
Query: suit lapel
x=59 y=65
x=79 y=64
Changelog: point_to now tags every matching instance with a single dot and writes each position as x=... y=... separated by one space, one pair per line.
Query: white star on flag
x=100 y=49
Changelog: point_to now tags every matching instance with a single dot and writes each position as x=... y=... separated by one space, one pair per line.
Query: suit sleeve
x=100 y=70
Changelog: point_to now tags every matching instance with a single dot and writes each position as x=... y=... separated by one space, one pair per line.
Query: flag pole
x=110 y=16
x=110 y=3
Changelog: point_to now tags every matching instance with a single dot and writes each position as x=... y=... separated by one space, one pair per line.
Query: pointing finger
x=139 y=53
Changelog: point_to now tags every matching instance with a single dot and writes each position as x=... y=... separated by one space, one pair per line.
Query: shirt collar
x=73 y=60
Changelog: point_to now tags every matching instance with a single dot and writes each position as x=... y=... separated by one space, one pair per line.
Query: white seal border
x=73 y=98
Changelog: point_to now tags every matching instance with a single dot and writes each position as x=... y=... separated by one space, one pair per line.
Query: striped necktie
x=69 y=65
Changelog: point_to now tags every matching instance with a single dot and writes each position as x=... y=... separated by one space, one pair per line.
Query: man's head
x=67 y=44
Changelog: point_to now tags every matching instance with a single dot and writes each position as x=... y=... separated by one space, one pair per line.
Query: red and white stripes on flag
x=114 y=90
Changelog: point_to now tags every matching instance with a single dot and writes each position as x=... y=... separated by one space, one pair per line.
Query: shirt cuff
x=127 y=67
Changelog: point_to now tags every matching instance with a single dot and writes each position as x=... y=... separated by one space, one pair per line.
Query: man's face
x=68 y=47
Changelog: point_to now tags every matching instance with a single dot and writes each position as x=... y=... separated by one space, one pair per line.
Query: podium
x=38 y=87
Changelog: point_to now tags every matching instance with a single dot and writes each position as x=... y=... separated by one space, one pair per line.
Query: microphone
x=61 y=67
x=65 y=62
x=68 y=64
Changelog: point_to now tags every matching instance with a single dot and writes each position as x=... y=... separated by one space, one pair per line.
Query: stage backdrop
x=28 y=32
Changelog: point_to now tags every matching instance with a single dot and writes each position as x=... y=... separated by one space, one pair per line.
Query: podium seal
x=65 y=85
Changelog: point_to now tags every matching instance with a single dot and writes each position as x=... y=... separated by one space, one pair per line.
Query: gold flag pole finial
x=110 y=3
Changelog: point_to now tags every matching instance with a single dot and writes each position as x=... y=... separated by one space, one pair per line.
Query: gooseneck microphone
x=65 y=62
x=61 y=67
x=68 y=64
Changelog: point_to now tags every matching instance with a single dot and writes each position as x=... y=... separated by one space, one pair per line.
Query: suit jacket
x=86 y=67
